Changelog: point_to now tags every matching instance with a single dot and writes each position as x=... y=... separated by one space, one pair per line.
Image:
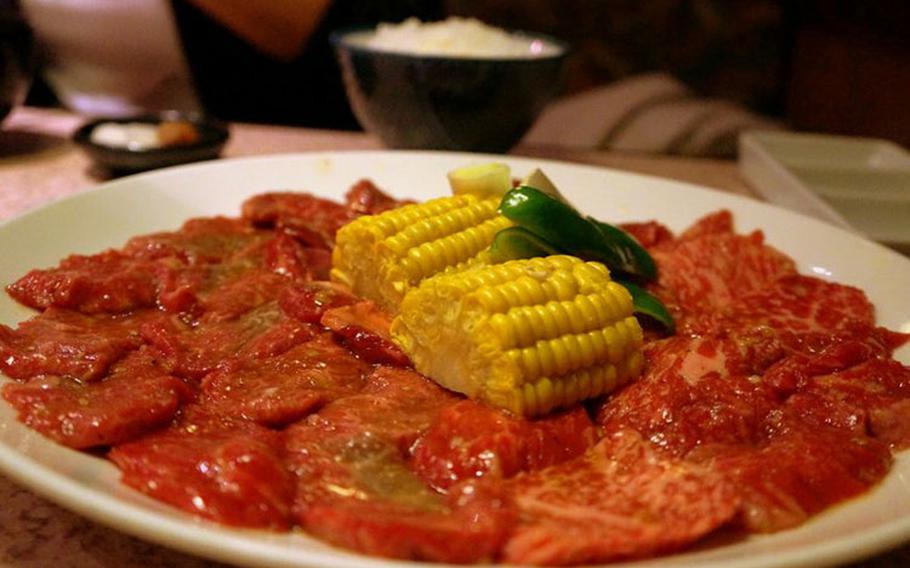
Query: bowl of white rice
x=456 y=84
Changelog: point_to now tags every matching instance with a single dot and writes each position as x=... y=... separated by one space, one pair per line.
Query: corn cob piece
x=381 y=257
x=526 y=335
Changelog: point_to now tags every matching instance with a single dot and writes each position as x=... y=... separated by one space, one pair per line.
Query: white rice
x=457 y=37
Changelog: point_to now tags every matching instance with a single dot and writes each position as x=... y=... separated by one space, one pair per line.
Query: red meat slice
x=283 y=335
x=284 y=388
x=797 y=308
x=285 y=256
x=372 y=347
x=882 y=388
x=244 y=281
x=363 y=314
x=205 y=240
x=312 y=220
x=168 y=269
x=364 y=198
x=135 y=399
x=716 y=223
x=696 y=391
x=801 y=470
x=791 y=438
x=396 y=406
x=823 y=306
x=229 y=471
x=178 y=289
x=233 y=298
x=720 y=283
x=469 y=441
x=467 y=526
x=355 y=488
x=192 y=352
x=814 y=453
x=622 y=500
x=319 y=262
x=68 y=344
x=364 y=329
x=106 y=282
x=228 y=267
x=649 y=233
x=866 y=393
x=309 y=302
x=708 y=273
x=798 y=371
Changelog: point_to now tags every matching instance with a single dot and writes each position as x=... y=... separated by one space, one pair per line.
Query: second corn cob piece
x=526 y=335
x=381 y=257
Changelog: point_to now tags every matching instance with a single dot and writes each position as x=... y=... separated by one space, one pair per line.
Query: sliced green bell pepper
x=561 y=225
x=516 y=242
x=546 y=225
x=646 y=304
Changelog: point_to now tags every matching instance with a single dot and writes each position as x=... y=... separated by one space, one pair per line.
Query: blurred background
x=663 y=76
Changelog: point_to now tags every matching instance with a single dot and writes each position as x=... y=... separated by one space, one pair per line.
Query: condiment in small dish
x=152 y=141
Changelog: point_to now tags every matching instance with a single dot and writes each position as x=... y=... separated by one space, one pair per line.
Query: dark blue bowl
x=446 y=103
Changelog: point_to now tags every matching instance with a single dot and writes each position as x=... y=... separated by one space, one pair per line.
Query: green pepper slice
x=517 y=242
x=561 y=225
x=646 y=304
x=635 y=259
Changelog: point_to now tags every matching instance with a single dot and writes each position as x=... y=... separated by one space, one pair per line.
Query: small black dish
x=212 y=138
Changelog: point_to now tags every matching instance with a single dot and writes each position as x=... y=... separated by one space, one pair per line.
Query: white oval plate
x=162 y=200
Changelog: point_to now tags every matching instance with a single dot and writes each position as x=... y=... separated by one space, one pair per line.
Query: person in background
x=271 y=61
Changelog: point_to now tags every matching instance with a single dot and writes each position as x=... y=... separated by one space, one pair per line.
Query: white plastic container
x=862 y=184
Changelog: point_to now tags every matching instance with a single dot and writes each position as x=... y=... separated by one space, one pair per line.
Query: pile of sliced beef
x=223 y=374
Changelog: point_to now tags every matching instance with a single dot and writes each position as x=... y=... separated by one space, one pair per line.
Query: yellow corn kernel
x=381 y=257
x=526 y=335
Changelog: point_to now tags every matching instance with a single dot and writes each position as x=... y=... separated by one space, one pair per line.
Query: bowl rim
x=338 y=38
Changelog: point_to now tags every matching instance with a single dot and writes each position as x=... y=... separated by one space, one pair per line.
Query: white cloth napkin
x=652 y=113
